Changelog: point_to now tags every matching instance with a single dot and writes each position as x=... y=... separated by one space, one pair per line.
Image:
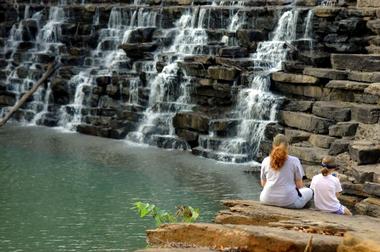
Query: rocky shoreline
x=250 y=226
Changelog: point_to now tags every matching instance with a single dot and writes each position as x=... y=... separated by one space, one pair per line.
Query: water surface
x=71 y=192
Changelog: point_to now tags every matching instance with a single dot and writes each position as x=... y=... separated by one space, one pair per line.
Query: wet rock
x=222 y=73
x=141 y=35
x=194 y=69
x=233 y=52
x=365 y=152
x=191 y=121
x=356 y=62
x=273 y=129
x=138 y=50
x=60 y=91
x=7 y=99
x=306 y=122
x=189 y=136
x=343 y=129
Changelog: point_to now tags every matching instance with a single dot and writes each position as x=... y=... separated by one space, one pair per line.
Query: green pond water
x=70 y=192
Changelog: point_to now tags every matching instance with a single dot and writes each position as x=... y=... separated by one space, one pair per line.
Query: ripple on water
x=71 y=192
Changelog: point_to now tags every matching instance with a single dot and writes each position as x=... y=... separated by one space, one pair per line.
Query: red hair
x=278 y=156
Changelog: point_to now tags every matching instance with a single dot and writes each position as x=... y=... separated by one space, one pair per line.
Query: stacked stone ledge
x=333 y=108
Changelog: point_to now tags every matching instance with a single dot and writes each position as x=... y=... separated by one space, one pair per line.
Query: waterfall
x=256 y=105
x=30 y=45
x=105 y=61
x=167 y=98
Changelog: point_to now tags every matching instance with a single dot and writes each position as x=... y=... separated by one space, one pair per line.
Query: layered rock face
x=251 y=226
x=219 y=78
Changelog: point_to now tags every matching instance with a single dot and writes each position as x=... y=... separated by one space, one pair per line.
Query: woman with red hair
x=281 y=177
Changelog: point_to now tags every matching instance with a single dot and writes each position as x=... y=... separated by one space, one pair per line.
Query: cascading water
x=28 y=48
x=167 y=97
x=105 y=61
x=256 y=105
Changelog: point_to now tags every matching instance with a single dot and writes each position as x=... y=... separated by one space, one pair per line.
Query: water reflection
x=71 y=192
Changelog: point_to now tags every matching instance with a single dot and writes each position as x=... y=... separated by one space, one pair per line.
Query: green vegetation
x=185 y=214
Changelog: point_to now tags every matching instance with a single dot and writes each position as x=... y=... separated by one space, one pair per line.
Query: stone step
x=365 y=152
x=356 y=62
x=308 y=153
x=307 y=122
x=347 y=85
x=220 y=156
x=337 y=111
x=229 y=145
x=171 y=107
x=169 y=142
x=224 y=127
x=326 y=73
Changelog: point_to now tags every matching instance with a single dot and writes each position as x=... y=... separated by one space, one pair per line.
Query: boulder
x=337 y=111
x=365 y=152
x=305 y=122
x=192 y=121
x=326 y=11
x=141 y=35
x=294 y=78
x=343 y=129
x=372 y=188
x=222 y=73
x=138 y=50
x=369 y=206
x=326 y=73
x=321 y=141
x=356 y=62
x=363 y=113
x=349 y=200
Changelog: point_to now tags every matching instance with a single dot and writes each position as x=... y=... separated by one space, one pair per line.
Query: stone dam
x=217 y=78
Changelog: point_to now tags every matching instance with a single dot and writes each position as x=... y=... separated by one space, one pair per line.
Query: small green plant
x=186 y=214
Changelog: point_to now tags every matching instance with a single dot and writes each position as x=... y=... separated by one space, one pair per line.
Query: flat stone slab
x=326 y=73
x=356 y=62
x=249 y=212
x=240 y=237
x=347 y=85
x=294 y=78
x=175 y=250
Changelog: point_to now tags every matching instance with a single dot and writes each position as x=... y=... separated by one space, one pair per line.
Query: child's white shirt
x=325 y=189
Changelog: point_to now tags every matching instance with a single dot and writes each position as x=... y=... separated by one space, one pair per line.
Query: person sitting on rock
x=281 y=177
x=327 y=188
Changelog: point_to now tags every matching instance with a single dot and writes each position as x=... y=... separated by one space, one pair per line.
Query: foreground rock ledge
x=250 y=226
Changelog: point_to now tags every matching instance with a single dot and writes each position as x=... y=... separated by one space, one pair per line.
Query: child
x=327 y=188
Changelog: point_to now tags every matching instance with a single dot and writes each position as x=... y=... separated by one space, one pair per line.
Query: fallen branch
x=50 y=70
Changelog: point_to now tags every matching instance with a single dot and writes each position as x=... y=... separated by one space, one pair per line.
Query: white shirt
x=325 y=189
x=280 y=187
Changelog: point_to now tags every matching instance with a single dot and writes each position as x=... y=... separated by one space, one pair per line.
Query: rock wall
x=328 y=90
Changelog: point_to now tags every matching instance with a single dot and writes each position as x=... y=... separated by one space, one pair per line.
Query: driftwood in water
x=50 y=70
